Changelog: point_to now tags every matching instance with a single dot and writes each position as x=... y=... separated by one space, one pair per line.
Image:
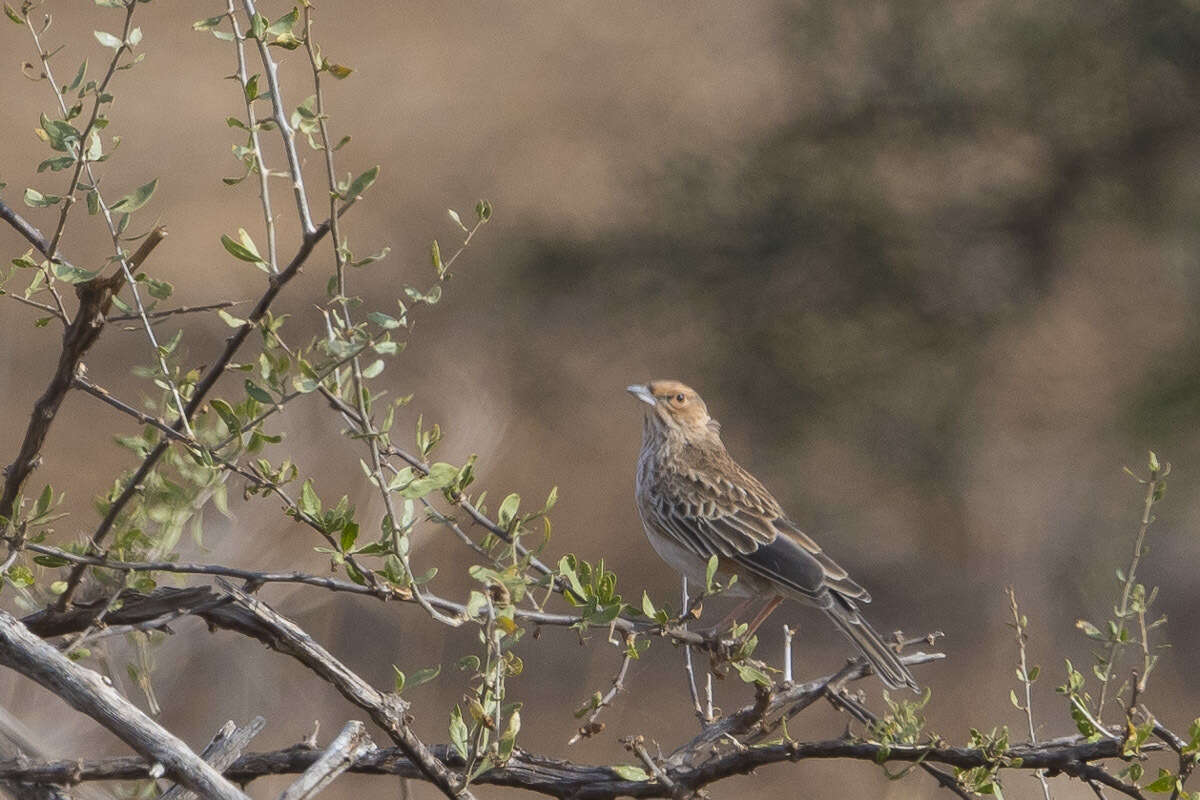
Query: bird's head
x=676 y=407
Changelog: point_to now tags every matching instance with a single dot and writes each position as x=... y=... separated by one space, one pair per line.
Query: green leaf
x=107 y=39
x=207 y=24
x=1165 y=782
x=362 y=183
x=423 y=676
x=373 y=369
x=310 y=504
x=1090 y=630
x=226 y=413
x=435 y=253
x=35 y=199
x=56 y=163
x=58 y=587
x=508 y=510
x=710 y=573
x=72 y=274
x=383 y=320
x=239 y=251
x=349 y=535
x=647 y=606
x=43 y=501
x=457 y=220
x=508 y=739
x=284 y=24
x=230 y=319
x=400 y=680
x=629 y=772
x=339 y=71
x=257 y=392
x=20 y=575
x=11 y=14
x=136 y=199
x=458 y=731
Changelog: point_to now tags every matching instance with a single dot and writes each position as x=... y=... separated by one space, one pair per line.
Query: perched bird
x=697 y=502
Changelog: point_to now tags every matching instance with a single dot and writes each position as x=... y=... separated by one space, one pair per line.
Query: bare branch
x=349 y=746
x=224 y=749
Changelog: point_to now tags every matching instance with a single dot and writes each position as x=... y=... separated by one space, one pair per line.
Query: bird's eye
x=679 y=398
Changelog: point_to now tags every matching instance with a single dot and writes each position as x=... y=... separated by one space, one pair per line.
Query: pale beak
x=641 y=392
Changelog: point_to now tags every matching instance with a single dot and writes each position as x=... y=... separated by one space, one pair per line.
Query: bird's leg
x=726 y=621
x=762 y=615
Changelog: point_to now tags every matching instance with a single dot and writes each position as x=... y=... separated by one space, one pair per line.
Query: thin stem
x=260 y=166
x=1153 y=486
x=285 y=129
x=1019 y=624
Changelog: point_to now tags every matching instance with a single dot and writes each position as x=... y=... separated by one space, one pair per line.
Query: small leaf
x=207 y=24
x=400 y=681
x=107 y=39
x=423 y=676
x=629 y=772
x=136 y=199
x=457 y=220
x=1165 y=782
x=11 y=14
x=20 y=575
x=310 y=504
x=508 y=510
x=458 y=731
x=230 y=319
x=710 y=573
x=257 y=392
x=239 y=251
x=647 y=605
x=362 y=183
x=35 y=199
x=383 y=320
x=226 y=413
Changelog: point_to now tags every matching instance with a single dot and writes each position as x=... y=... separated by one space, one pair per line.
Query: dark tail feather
x=884 y=660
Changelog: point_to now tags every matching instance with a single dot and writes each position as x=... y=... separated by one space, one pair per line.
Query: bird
x=696 y=502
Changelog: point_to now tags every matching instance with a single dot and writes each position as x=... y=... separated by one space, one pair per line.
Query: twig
x=638 y=746
x=591 y=727
x=87 y=692
x=285 y=129
x=1019 y=625
x=687 y=662
x=260 y=166
x=171 y=312
x=348 y=747
x=1153 y=487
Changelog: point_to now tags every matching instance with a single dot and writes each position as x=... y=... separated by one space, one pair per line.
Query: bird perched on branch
x=697 y=502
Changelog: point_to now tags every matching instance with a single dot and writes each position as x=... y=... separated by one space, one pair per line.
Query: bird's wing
x=726 y=512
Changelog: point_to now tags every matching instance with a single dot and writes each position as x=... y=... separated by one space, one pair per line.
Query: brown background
x=933 y=266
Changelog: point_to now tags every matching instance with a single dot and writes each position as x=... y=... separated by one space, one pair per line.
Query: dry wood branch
x=87 y=692
x=224 y=749
x=349 y=746
x=564 y=779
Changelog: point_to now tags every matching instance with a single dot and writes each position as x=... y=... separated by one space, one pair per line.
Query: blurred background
x=931 y=264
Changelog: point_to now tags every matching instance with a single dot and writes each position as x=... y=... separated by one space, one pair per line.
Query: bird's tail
x=883 y=659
